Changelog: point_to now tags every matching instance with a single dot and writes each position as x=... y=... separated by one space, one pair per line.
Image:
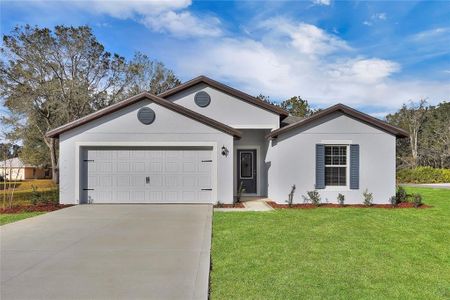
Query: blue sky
x=372 y=55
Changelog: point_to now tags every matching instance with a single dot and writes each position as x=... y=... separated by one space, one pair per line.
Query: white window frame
x=347 y=169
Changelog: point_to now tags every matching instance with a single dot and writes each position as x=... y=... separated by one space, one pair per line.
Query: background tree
x=434 y=138
x=49 y=78
x=429 y=135
x=298 y=107
x=411 y=117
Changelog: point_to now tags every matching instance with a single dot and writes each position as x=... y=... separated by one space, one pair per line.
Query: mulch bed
x=330 y=205
x=236 y=205
x=33 y=208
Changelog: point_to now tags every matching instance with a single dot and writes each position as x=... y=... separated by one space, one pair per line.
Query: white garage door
x=155 y=175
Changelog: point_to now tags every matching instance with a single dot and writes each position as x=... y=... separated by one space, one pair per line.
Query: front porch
x=250 y=167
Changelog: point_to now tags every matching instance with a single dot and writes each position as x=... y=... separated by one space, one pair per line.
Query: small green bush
x=393 y=201
x=313 y=197
x=423 y=175
x=401 y=195
x=368 y=198
x=341 y=199
x=417 y=200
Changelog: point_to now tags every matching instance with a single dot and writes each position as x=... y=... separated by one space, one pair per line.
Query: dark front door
x=246 y=170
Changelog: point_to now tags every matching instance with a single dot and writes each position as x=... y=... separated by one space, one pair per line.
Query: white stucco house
x=15 y=169
x=198 y=142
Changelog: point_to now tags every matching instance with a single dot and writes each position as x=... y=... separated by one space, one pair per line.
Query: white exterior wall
x=292 y=160
x=254 y=139
x=13 y=173
x=122 y=128
x=228 y=109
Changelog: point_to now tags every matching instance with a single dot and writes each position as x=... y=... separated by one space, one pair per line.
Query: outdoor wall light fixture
x=224 y=151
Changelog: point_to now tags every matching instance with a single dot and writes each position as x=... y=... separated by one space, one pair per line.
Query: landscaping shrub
x=45 y=196
x=368 y=198
x=423 y=175
x=291 y=196
x=417 y=200
x=393 y=201
x=313 y=197
x=239 y=193
x=401 y=195
x=341 y=199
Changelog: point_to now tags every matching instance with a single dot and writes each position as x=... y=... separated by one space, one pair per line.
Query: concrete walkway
x=108 y=252
x=429 y=185
x=258 y=204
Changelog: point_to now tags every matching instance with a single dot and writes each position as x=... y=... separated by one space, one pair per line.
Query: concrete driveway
x=108 y=252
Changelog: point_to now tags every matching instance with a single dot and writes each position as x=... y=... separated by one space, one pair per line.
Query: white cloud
x=306 y=38
x=364 y=70
x=322 y=2
x=171 y=17
x=440 y=32
x=281 y=67
x=375 y=18
x=184 y=24
x=125 y=9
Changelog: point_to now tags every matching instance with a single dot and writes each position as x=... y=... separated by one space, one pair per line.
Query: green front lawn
x=9 y=218
x=344 y=253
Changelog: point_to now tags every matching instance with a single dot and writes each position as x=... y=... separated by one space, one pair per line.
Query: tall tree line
x=429 y=134
x=51 y=77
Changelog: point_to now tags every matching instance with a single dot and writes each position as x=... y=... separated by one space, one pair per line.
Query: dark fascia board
x=228 y=90
x=145 y=96
x=398 y=132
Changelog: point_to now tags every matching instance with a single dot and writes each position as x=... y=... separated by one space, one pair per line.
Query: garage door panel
x=123 y=180
x=174 y=176
x=139 y=167
x=172 y=181
x=204 y=196
x=189 y=181
x=171 y=196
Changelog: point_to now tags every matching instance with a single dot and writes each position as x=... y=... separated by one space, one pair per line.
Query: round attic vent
x=146 y=115
x=202 y=99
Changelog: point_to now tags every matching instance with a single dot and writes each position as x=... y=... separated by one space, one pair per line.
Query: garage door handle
x=88 y=189
x=208 y=160
x=206 y=189
x=147 y=179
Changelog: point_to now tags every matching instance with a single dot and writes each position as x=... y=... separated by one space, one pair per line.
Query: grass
x=23 y=193
x=345 y=253
x=9 y=218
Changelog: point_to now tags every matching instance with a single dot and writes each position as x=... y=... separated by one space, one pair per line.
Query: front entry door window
x=247 y=170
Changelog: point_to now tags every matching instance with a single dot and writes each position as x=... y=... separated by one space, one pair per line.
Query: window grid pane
x=335 y=165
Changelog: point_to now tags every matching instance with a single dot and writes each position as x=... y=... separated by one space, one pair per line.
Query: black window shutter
x=354 y=167
x=320 y=166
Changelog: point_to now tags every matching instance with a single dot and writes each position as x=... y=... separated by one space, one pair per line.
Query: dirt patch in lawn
x=32 y=208
x=236 y=205
x=330 y=205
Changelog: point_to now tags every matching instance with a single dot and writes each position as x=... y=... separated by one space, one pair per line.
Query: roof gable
x=365 y=118
x=228 y=90
x=145 y=96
